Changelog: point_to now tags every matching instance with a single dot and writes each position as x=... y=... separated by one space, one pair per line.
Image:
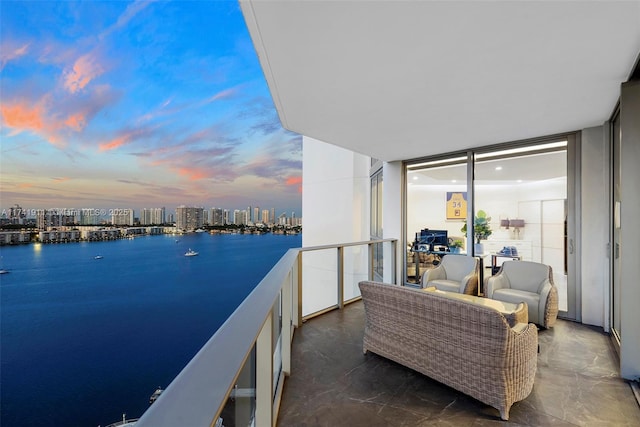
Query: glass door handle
x=571 y=246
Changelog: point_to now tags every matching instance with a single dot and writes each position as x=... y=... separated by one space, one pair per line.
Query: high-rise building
x=152 y=216
x=265 y=216
x=89 y=216
x=189 y=218
x=205 y=216
x=216 y=216
x=122 y=216
x=240 y=217
x=256 y=215
x=272 y=215
x=16 y=214
x=225 y=217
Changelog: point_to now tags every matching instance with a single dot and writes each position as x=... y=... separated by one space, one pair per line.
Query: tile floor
x=335 y=384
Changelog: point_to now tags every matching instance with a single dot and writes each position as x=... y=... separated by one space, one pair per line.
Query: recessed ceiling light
x=498 y=168
x=519 y=180
x=415 y=177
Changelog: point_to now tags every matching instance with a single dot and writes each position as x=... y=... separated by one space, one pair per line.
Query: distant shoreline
x=102 y=234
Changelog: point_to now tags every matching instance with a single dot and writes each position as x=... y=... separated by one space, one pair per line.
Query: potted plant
x=455 y=246
x=481 y=229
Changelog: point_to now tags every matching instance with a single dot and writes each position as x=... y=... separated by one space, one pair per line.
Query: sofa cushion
x=445 y=285
x=516 y=296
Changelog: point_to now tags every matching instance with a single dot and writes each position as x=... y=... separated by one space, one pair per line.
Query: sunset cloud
x=8 y=53
x=76 y=121
x=137 y=104
x=84 y=70
x=125 y=137
x=295 y=181
x=21 y=116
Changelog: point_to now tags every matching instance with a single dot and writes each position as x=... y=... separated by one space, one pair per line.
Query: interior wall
x=630 y=241
x=427 y=208
x=595 y=227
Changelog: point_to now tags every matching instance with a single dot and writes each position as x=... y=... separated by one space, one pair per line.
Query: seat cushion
x=516 y=296
x=445 y=285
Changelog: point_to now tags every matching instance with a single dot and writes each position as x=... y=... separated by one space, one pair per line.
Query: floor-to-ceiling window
x=521 y=190
x=524 y=192
x=376 y=219
x=436 y=212
x=616 y=284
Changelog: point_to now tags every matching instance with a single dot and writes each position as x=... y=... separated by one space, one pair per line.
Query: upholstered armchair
x=455 y=273
x=530 y=282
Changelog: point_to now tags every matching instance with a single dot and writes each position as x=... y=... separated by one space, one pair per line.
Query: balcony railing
x=236 y=379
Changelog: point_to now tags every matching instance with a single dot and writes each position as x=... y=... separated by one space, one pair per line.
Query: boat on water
x=200 y=230
x=3 y=271
x=98 y=257
x=191 y=252
x=156 y=394
x=125 y=422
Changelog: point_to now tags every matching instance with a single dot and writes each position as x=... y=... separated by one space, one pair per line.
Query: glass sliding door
x=436 y=211
x=616 y=285
x=524 y=192
x=376 y=224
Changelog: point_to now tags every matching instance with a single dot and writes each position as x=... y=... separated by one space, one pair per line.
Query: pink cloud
x=76 y=121
x=84 y=70
x=116 y=142
x=295 y=180
x=9 y=53
x=194 y=174
x=21 y=116
x=126 y=137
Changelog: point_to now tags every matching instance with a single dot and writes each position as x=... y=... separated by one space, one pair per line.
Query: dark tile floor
x=335 y=384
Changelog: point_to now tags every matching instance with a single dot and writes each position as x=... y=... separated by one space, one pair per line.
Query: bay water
x=84 y=340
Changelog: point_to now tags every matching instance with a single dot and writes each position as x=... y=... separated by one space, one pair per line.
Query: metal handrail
x=197 y=396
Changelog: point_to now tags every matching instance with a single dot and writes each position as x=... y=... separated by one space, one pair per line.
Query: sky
x=120 y=104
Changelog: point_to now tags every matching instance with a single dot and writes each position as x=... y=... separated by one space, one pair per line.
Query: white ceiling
x=399 y=80
x=504 y=171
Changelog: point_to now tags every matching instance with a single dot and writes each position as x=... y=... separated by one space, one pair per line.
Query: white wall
x=335 y=208
x=630 y=241
x=392 y=217
x=595 y=232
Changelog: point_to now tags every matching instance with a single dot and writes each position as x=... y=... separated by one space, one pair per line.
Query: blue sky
x=138 y=104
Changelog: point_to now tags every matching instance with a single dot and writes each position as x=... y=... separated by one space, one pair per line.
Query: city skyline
x=138 y=104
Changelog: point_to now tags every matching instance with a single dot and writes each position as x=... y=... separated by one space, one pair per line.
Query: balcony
x=238 y=377
x=334 y=384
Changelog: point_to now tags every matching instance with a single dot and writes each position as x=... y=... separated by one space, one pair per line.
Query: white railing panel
x=319 y=280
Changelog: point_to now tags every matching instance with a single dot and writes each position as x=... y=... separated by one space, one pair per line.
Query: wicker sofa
x=466 y=346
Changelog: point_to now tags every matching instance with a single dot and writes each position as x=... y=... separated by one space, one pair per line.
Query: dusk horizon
x=139 y=105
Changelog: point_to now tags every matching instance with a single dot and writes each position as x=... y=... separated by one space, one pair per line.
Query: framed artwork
x=457 y=205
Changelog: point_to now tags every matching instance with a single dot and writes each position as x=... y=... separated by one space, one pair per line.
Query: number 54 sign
x=457 y=205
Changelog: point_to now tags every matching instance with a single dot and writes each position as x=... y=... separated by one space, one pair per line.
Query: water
x=85 y=340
